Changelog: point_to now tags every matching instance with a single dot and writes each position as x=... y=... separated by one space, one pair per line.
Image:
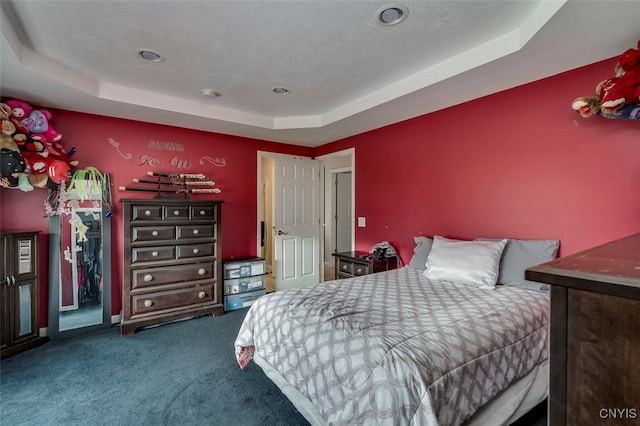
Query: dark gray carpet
x=183 y=373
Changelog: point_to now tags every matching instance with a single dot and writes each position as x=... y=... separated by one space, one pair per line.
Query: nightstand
x=352 y=264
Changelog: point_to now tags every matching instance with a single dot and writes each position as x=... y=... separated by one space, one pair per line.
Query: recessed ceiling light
x=149 y=55
x=280 y=90
x=391 y=14
x=209 y=93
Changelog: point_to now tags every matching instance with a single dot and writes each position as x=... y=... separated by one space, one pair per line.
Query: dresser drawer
x=194 y=250
x=153 y=233
x=176 y=212
x=358 y=263
x=149 y=277
x=203 y=212
x=149 y=254
x=195 y=231
x=143 y=212
x=152 y=302
x=345 y=266
x=361 y=269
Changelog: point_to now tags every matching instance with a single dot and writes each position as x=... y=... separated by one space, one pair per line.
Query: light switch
x=362 y=222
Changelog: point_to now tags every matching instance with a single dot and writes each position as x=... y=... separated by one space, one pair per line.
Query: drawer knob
x=345 y=267
x=147 y=212
x=176 y=212
x=147 y=278
x=196 y=251
x=154 y=254
x=202 y=212
x=195 y=232
x=359 y=271
x=201 y=295
x=154 y=233
x=148 y=303
x=202 y=271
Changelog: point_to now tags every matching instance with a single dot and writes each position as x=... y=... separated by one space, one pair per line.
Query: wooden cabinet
x=595 y=334
x=19 y=301
x=172 y=268
x=355 y=263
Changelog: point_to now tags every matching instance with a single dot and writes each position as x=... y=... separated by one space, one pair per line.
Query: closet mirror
x=80 y=264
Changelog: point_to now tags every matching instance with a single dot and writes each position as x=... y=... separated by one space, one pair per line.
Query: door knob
x=282 y=233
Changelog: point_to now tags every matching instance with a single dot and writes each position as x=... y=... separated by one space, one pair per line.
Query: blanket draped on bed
x=395 y=348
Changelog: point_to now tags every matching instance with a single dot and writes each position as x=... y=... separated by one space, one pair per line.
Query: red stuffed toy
x=624 y=88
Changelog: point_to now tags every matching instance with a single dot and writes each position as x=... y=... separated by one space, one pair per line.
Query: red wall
x=519 y=163
x=95 y=138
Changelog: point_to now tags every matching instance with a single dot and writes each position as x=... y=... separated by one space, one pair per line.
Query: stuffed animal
x=615 y=95
x=35 y=154
x=37 y=121
x=586 y=106
x=624 y=89
x=12 y=166
x=58 y=171
x=38 y=125
x=19 y=109
x=57 y=151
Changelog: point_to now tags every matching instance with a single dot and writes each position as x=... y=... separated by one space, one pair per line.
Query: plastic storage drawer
x=242 y=285
x=242 y=300
x=246 y=268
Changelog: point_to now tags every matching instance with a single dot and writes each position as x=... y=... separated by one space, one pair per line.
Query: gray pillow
x=421 y=252
x=518 y=255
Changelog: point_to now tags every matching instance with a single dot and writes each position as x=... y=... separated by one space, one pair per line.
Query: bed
x=405 y=347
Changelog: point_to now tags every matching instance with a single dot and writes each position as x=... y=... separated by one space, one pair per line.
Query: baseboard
x=44 y=331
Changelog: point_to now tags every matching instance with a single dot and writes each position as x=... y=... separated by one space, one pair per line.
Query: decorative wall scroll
x=179 y=159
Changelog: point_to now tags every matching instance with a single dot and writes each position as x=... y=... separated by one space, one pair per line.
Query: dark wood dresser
x=172 y=268
x=354 y=263
x=595 y=334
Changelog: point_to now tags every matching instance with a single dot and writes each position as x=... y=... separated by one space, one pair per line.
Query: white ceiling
x=346 y=73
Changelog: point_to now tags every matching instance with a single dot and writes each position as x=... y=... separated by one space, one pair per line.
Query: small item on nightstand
x=382 y=249
x=365 y=256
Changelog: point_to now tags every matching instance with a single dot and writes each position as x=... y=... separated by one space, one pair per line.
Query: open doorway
x=339 y=211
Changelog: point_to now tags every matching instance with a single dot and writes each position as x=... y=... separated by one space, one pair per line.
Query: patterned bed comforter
x=395 y=348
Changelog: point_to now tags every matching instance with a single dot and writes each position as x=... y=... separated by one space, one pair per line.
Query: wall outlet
x=362 y=222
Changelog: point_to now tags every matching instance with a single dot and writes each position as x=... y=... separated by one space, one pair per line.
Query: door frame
x=327 y=220
x=323 y=223
x=330 y=223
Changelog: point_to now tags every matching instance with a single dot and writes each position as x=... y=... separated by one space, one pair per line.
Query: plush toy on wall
x=618 y=96
x=37 y=121
x=625 y=88
x=47 y=161
x=13 y=166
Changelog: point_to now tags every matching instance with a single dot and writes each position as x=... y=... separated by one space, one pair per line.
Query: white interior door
x=296 y=222
x=343 y=212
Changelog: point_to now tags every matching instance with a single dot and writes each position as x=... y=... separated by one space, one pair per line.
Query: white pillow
x=469 y=262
